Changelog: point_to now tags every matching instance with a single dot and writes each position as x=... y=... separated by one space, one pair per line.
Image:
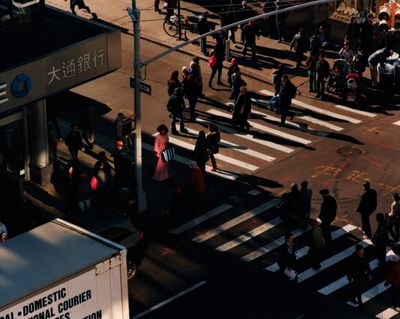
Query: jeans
x=312 y=80
x=320 y=85
x=214 y=71
x=252 y=45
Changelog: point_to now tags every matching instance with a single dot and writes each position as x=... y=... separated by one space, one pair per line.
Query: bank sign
x=78 y=298
x=60 y=70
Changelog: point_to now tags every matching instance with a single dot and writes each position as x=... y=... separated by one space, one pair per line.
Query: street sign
x=145 y=88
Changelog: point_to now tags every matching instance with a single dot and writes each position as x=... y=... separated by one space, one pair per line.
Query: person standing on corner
x=202 y=28
x=299 y=44
x=327 y=214
x=200 y=152
x=219 y=53
x=213 y=138
x=242 y=109
x=394 y=217
x=196 y=71
x=160 y=144
x=322 y=71
x=250 y=32
x=366 y=207
x=74 y=142
x=286 y=94
x=190 y=91
x=175 y=106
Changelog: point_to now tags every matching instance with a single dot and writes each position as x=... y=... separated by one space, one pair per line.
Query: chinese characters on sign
x=71 y=67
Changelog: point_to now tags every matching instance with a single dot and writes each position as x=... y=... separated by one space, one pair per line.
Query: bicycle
x=171 y=27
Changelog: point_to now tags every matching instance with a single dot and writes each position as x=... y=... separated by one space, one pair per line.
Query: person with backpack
x=213 y=138
x=299 y=45
x=175 y=106
x=286 y=94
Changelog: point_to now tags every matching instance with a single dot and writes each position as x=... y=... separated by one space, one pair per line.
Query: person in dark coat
x=286 y=94
x=250 y=32
x=299 y=44
x=200 y=152
x=196 y=185
x=310 y=65
x=315 y=45
x=173 y=82
x=176 y=106
x=213 y=138
x=381 y=239
x=322 y=71
x=191 y=91
x=287 y=258
x=237 y=83
x=202 y=27
x=357 y=269
x=242 y=109
x=233 y=67
x=74 y=142
x=327 y=214
x=317 y=244
x=366 y=207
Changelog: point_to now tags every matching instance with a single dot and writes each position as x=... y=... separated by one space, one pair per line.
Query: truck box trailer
x=61 y=271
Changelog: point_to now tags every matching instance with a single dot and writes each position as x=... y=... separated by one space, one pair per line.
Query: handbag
x=212 y=61
x=290 y=273
x=168 y=154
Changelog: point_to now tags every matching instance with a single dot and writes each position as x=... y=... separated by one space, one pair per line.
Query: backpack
x=212 y=61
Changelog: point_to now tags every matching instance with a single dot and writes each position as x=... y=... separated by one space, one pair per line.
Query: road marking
x=371 y=293
x=221 y=157
x=187 y=161
x=198 y=220
x=237 y=220
x=387 y=313
x=397 y=123
x=250 y=137
x=343 y=281
x=303 y=117
x=318 y=110
x=304 y=250
x=349 y=109
x=254 y=192
x=331 y=261
x=270 y=246
x=239 y=148
x=265 y=128
x=249 y=235
x=169 y=300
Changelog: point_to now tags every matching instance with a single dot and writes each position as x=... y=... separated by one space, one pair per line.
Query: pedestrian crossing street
x=266 y=142
x=256 y=236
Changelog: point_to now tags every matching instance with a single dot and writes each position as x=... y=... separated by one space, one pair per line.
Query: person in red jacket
x=196 y=185
x=394 y=281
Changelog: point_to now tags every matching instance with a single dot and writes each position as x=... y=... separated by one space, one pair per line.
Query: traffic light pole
x=134 y=14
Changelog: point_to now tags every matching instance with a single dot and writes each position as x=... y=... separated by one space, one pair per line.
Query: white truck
x=61 y=271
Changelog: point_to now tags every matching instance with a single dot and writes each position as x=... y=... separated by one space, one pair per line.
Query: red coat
x=196 y=181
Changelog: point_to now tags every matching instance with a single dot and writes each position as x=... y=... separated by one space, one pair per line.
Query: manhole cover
x=349 y=152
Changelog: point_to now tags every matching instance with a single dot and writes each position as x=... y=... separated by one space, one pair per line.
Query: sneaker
x=213 y=169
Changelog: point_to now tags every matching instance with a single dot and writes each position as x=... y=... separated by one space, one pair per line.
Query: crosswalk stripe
x=304 y=250
x=249 y=235
x=397 y=123
x=239 y=148
x=265 y=128
x=187 y=161
x=249 y=137
x=331 y=261
x=343 y=281
x=318 y=110
x=387 y=313
x=271 y=246
x=237 y=220
x=303 y=117
x=349 y=109
x=221 y=157
x=371 y=293
x=198 y=220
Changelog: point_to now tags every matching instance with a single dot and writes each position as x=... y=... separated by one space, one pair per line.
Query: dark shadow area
x=259 y=181
x=345 y=138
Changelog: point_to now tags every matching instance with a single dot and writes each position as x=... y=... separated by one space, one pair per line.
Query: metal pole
x=179 y=20
x=141 y=195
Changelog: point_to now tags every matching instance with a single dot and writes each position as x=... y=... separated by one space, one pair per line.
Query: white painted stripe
x=371 y=293
x=254 y=192
x=304 y=250
x=202 y=218
x=397 y=123
x=251 y=138
x=331 y=261
x=249 y=235
x=3 y=100
x=387 y=313
x=3 y=93
x=343 y=281
x=349 y=109
x=265 y=128
x=221 y=157
x=3 y=86
x=303 y=117
x=270 y=246
x=167 y=301
x=237 y=220
x=310 y=119
x=239 y=148
x=318 y=110
x=187 y=161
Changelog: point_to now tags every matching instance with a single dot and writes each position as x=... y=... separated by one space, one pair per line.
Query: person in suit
x=366 y=207
x=327 y=214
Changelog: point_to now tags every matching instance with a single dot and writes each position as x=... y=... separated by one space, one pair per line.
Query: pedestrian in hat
x=327 y=214
x=366 y=207
x=394 y=217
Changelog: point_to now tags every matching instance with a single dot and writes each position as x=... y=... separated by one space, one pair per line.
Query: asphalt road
x=213 y=264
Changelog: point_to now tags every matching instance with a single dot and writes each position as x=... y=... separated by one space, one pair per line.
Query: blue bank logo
x=21 y=85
